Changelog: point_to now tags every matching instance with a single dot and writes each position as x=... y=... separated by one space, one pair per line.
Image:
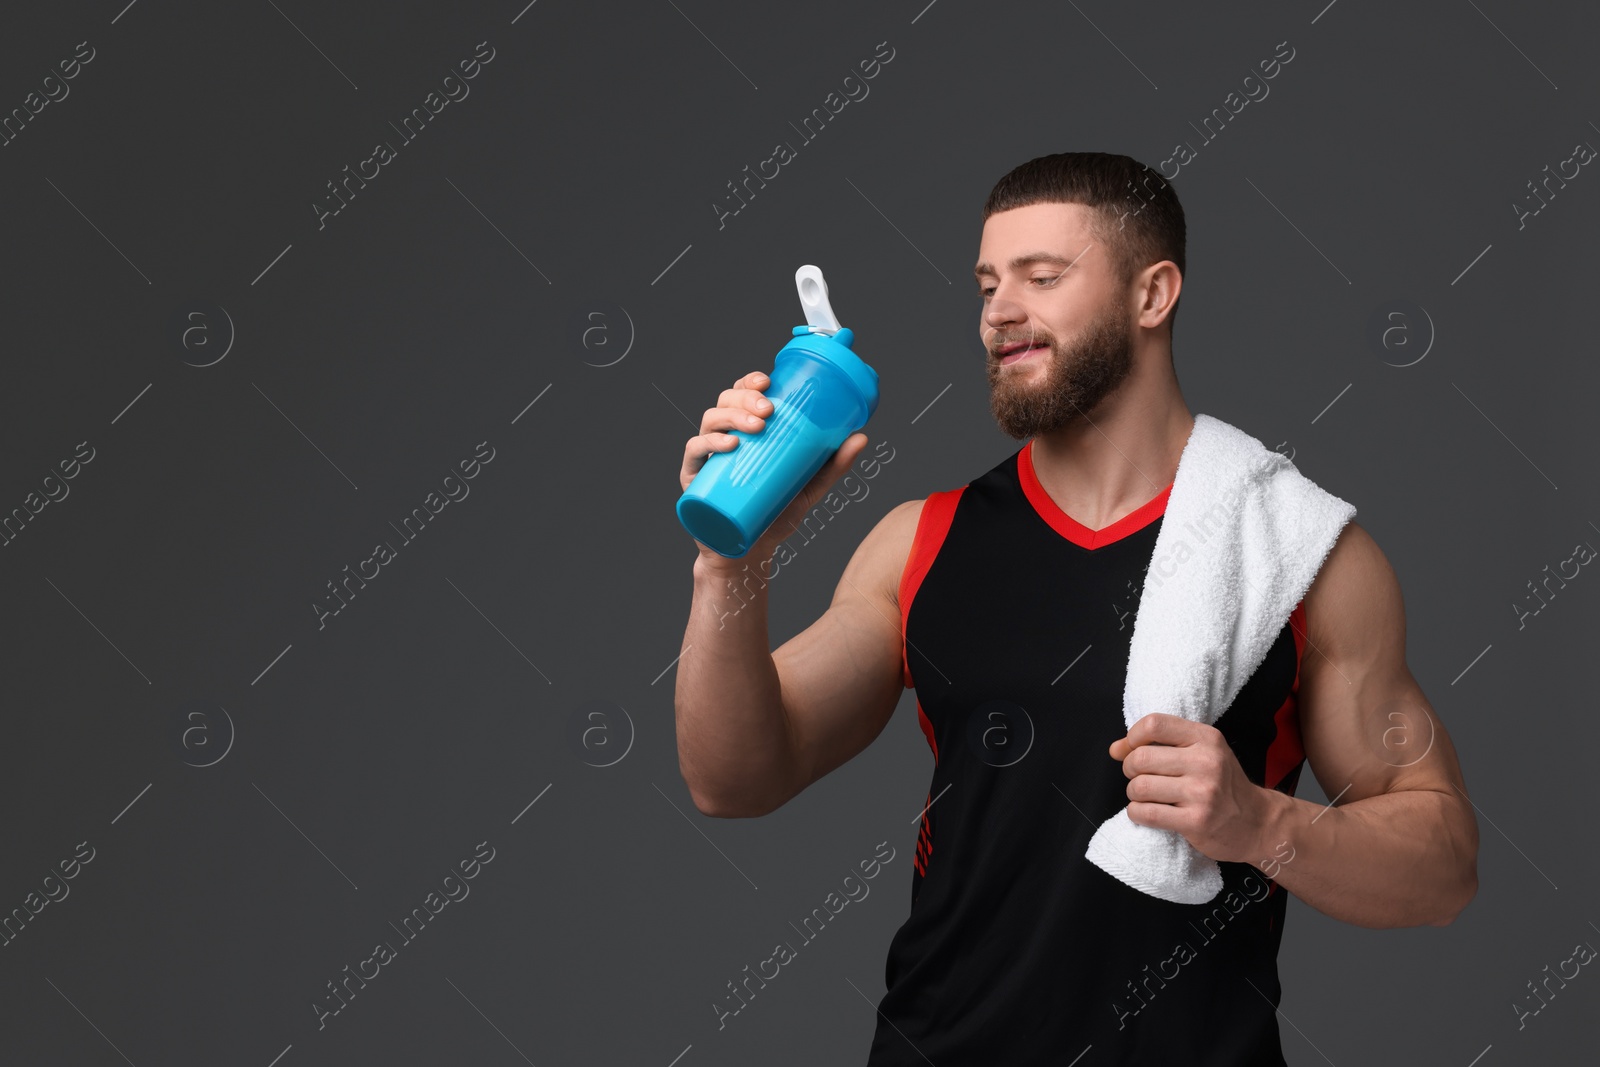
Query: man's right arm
x=755 y=728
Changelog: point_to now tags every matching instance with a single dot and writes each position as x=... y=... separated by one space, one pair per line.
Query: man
x=1008 y=604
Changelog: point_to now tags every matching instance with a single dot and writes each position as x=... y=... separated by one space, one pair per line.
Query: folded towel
x=1243 y=535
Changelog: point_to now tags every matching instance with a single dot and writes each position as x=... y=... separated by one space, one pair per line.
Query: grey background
x=364 y=759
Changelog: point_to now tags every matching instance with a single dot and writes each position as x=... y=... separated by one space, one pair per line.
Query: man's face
x=1055 y=319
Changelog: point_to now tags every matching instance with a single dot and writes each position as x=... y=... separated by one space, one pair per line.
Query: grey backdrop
x=251 y=392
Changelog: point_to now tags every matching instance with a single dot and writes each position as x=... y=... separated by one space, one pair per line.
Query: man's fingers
x=849 y=450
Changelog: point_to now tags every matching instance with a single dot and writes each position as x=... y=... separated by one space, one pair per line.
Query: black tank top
x=1018 y=950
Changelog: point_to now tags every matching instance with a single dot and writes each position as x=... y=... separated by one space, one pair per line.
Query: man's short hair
x=1135 y=211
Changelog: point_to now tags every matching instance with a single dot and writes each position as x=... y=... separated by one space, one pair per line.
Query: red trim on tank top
x=924 y=848
x=1071 y=528
x=1286 y=750
x=932 y=525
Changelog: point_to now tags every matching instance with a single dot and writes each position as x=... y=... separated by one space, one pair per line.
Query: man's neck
x=1121 y=456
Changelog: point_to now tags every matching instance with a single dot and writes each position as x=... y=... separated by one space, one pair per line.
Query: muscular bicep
x=841 y=677
x=1366 y=725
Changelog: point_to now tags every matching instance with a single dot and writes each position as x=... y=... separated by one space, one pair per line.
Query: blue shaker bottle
x=821 y=393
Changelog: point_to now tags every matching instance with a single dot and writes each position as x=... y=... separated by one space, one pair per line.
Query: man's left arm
x=1398 y=846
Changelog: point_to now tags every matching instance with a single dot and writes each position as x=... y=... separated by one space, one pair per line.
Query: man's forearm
x=1404 y=858
x=733 y=740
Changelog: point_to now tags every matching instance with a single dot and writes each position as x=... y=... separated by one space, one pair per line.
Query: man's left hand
x=1183 y=776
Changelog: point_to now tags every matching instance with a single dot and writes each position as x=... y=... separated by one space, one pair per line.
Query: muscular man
x=1007 y=604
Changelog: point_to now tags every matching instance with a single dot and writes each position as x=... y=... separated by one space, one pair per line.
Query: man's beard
x=1073 y=383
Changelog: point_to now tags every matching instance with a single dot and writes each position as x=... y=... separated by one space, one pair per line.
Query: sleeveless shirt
x=1016 y=621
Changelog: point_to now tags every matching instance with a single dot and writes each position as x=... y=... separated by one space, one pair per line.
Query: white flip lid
x=814 y=298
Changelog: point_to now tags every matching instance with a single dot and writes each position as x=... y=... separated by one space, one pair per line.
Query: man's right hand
x=745 y=407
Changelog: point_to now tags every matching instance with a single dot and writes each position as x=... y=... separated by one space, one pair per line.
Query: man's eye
x=1045 y=281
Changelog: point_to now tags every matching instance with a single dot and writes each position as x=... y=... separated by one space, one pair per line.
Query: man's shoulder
x=1355 y=600
x=887 y=547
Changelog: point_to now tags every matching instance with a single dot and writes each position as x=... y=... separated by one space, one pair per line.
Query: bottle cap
x=814 y=298
x=823 y=337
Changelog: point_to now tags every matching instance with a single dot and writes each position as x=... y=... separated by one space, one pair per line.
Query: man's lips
x=1018 y=350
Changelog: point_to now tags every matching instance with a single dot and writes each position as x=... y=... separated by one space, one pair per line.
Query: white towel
x=1243 y=535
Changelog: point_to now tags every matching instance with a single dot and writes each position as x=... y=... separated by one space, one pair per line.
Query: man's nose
x=1002 y=312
